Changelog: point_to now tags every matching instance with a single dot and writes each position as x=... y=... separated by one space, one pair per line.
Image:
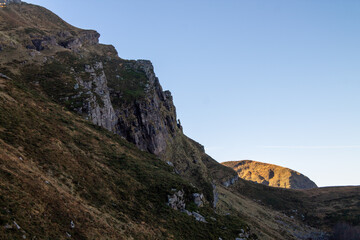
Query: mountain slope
x=90 y=147
x=322 y=208
x=270 y=175
x=124 y=96
x=61 y=176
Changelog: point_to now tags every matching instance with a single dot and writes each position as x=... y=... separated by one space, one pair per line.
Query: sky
x=273 y=81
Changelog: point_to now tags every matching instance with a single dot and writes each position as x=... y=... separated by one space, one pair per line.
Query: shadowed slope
x=61 y=175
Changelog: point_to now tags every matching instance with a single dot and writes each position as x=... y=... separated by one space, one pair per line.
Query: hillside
x=88 y=78
x=270 y=175
x=323 y=208
x=61 y=176
x=90 y=148
x=69 y=109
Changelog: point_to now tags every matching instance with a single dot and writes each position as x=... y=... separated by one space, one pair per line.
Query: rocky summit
x=270 y=175
x=91 y=148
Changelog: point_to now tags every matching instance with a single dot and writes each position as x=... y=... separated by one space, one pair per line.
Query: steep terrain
x=123 y=96
x=90 y=148
x=270 y=175
x=63 y=177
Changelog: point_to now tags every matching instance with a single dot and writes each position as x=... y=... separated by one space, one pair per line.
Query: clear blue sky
x=274 y=81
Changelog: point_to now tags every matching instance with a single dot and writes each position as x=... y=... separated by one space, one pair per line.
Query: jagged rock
x=89 y=37
x=7 y=226
x=215 y=195
x=187 y=212
x=4 y=76
x=72 y=224
x=41 y=44
x=38 y=44
x=198 y=199
x=196 y=215
x=176 y=201
x=149 y=122
x=231 y=181
x=17 y=225
x=69 y=41
x=98 y=105
x=65 y=39
x=199 y=217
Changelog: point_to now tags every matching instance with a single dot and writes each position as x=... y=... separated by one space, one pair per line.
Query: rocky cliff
x=89 y=78
x=270 y=175
x=122 y=96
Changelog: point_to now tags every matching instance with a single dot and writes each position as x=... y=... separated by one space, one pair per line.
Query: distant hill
x=270 y=175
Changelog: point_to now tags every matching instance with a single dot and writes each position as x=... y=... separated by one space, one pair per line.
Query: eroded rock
x=98 y=104
x=198 y=199
x=176 y=201
x=231 y=181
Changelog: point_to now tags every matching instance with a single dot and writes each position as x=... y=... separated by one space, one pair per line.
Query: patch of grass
x=127 y=82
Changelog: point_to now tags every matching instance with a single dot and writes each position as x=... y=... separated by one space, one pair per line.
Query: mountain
x=90 y=148
x=270 y=175
x=81 y=134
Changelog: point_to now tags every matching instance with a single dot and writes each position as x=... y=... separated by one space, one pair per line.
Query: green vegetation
x=323 y=207
x=55 y=81
x=125 y=79
x=56 y=168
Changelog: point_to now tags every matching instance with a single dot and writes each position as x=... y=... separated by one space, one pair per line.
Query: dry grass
x=270 y=175
x=56 y=168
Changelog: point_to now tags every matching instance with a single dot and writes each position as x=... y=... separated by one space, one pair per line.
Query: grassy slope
x=56 y=78
x=56 y=168
x=321 y=207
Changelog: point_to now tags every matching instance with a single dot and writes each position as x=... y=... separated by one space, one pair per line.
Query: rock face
x=230 y=182
x=150 y=120
x=198 y=199
x=98 y=104
x=270 y=175
x=122 y=96
x=177 y=201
